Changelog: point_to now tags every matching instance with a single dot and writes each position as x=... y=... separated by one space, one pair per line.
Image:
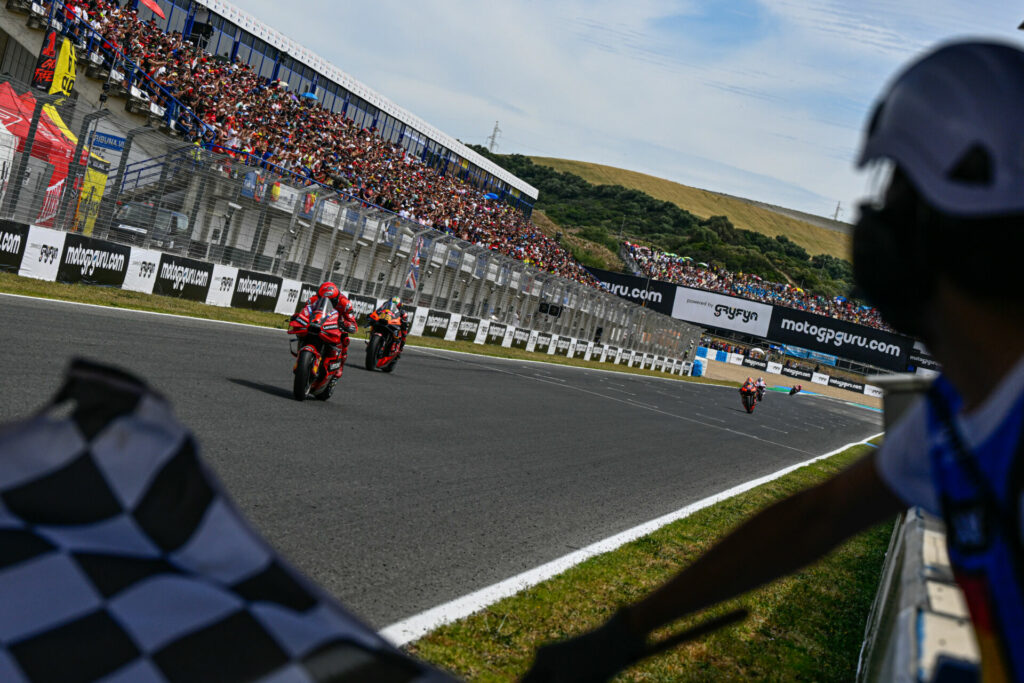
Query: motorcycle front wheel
x=372 y=351
x=303 y=379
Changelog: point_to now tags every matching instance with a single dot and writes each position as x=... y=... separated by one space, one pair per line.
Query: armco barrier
x=47 y=254
x=918 y=629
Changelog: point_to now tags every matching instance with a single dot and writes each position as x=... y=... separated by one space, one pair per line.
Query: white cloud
x=772 y=111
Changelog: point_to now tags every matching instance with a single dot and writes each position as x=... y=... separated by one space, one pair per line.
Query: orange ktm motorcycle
x=385 y=344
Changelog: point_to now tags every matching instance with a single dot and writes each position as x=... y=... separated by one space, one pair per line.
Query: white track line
x=423 y=623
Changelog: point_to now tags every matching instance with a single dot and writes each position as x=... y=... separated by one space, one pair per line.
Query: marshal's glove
x=594 y=656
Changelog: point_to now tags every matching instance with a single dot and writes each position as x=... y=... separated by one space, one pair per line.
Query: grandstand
x=210 y=73
x=293 y=121
x=221 y=31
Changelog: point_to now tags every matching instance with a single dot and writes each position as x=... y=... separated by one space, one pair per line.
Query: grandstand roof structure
x=325 y=68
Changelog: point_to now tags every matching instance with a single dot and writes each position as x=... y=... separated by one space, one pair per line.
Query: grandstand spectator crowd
x=264 y=121
x=681 y=270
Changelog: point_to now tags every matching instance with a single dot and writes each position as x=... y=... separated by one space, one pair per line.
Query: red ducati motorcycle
x=385 y=344
x=315 y=337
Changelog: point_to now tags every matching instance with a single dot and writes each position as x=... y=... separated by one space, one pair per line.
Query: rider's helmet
x=396 y=302
x=750 y=380
x=329 y=290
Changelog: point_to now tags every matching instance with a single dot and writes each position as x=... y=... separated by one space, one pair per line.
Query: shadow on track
x=271 y=389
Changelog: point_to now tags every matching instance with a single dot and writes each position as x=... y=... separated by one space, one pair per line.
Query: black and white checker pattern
x=121 y=559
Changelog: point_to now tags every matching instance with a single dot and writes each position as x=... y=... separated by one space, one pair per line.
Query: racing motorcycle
x=760 y=394
x=312 y=343
x=749 y=398
x=385 y=344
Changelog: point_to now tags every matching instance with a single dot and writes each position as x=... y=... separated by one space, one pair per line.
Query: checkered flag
x=122 y=559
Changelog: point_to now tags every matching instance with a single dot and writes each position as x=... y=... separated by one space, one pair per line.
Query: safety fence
x=53 y=255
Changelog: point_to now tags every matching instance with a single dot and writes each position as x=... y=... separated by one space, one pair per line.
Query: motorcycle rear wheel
x=372 y=351
x=303 y=370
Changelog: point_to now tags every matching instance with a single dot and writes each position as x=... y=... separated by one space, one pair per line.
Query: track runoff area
x=419 y=496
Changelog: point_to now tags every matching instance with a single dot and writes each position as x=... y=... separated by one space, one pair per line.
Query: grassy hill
x=704 y=203
x=592 y=217
x=587 y=252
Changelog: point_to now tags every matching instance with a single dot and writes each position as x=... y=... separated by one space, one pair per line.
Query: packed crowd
x=682 y=270
x=265 y=121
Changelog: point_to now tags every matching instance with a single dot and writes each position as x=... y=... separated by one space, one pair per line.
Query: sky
x=759 y=99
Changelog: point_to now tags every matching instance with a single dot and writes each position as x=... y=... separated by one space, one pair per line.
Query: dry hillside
x=704 y=203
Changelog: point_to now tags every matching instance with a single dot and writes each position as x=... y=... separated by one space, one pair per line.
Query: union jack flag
x=414 y=266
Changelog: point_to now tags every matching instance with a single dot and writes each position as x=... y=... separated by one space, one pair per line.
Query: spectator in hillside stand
x=948 y=129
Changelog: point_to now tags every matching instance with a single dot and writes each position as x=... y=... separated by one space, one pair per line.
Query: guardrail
x=919 y=629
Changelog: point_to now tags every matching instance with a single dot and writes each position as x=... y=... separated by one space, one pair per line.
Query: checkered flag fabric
x=121 y=559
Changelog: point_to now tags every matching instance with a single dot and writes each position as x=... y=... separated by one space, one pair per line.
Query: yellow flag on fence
x=64 y=74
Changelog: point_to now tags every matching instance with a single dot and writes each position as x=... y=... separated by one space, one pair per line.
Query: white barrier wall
x=141 y=275
x=42 y=253
x=223 y=287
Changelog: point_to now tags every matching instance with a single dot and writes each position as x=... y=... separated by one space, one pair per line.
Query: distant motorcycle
x=749 y=399
x=312 y=337
x=760 y=394
x=385 y=344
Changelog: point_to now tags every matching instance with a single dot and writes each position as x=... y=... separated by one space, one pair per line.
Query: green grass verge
x=118 y=298
x=807 y=627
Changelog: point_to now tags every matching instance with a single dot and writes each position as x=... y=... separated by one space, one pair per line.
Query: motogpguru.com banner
x=854 y=342
x=823 y=337
x=654 y=294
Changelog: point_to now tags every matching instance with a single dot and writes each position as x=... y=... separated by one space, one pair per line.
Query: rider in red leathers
x=346 y=326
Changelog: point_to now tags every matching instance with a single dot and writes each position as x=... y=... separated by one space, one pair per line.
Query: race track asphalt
x=455 y=472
